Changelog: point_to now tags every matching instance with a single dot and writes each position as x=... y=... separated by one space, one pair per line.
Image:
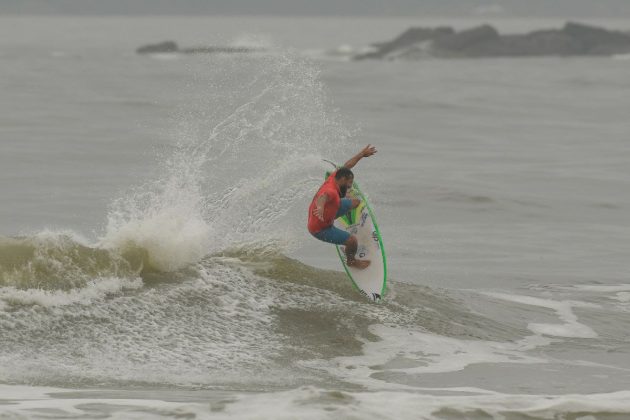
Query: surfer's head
x=344 y=178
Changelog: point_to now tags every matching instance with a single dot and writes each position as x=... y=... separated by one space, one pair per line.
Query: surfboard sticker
x=371 y=281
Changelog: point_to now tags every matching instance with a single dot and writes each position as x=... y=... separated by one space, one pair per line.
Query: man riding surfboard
x=330 y=203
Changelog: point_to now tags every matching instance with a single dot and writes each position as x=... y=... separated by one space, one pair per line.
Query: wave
x=249 y=317
x=244 y=316
x=61 y=261
x=157 y=298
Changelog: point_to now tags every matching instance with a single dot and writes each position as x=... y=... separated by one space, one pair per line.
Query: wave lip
x=60 y=261
x=170 y=237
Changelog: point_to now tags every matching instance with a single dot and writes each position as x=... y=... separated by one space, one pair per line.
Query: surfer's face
x=345 y=185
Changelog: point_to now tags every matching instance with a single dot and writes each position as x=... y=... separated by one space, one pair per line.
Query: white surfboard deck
x=371 y=281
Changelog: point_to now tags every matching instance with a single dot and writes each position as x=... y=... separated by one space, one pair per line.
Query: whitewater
x=154 y=258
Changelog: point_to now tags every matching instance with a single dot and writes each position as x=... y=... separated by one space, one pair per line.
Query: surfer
x=330 y=202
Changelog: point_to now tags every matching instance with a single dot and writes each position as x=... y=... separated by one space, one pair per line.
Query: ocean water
x=154 y=260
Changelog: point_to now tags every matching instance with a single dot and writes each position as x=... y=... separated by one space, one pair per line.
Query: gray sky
x=538 y=8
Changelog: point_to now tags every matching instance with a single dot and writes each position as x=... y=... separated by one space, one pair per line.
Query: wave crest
x=61 y=260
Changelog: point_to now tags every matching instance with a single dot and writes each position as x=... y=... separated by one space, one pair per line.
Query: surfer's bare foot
x=360 y=264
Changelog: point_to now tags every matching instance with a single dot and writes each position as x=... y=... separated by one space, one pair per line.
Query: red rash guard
x=331 y=207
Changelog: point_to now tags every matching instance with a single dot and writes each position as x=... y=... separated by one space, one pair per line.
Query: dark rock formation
x=484 y=41
x=211 y=50
x=410 y=37
x=171 y=47
x=465 y=40
x=597 y=40
x=162 y=47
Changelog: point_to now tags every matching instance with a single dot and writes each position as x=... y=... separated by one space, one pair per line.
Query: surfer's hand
x=368 y=151
x=319 y=213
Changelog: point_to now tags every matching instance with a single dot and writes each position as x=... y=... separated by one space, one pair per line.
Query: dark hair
x=343 y=172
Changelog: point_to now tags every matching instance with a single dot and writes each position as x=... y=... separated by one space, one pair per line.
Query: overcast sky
x=538 y=8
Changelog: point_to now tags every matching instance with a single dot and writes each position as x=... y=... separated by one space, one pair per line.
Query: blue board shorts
x=333 y=234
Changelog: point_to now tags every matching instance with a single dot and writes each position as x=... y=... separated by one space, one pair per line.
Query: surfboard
x=371 y=281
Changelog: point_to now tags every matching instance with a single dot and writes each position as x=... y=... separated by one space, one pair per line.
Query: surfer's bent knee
x=332 y=235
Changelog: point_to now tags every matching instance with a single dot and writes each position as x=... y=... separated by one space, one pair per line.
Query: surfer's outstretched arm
x=367 y=151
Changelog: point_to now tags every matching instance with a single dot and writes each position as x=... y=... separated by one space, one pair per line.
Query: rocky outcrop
x=162 y=47
x=597 y=40
x=485 y=41
x=410 y=37
x=211 y=50
x=461 y=42
x=171 y=47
